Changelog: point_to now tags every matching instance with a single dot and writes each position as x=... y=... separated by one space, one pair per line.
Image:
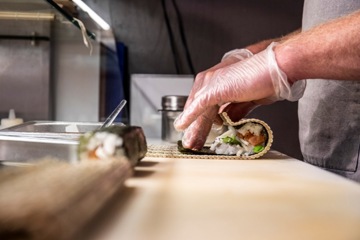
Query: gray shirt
x=329 y=111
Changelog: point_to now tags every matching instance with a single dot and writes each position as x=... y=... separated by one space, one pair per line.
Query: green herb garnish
x=258 y=148
x=231 y=140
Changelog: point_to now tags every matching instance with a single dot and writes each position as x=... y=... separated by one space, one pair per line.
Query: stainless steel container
x=34 y=140
x=172 y=106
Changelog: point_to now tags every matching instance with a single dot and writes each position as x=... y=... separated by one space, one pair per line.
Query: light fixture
x=26 y=16
x=104 y=25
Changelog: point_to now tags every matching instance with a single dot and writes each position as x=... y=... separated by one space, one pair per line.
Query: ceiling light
x=104 y=25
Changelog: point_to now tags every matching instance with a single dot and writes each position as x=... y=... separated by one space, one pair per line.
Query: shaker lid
x=173 y=102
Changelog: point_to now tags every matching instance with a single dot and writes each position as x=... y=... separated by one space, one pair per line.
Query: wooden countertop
x=275 y=198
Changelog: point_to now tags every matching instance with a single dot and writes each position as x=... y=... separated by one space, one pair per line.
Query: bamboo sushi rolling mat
x=171 y=151
x=55 y=199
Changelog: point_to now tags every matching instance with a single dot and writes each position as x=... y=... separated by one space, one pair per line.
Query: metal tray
x=39 y=139
x=46 y=129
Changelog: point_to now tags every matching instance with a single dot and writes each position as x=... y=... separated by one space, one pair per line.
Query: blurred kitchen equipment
x=11 y=120
x=38 y=139
x=71 y=18
x=172 y=106
x=114 y=114
x=31 y=141
x=145 y=98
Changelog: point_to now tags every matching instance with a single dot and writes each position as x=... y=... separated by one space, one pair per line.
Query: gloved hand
x=228 y=59
x=195 y=135
x=257 y=78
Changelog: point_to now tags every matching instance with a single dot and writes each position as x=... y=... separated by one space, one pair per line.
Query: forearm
x=260 y=46
x=329 y=51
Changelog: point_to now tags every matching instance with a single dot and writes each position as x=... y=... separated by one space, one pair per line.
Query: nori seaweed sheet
x=203 y=151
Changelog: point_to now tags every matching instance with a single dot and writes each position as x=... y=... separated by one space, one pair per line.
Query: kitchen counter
x=275 y=198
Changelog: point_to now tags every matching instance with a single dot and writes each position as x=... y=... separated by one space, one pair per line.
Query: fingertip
x=178 y=123
x=189 y=115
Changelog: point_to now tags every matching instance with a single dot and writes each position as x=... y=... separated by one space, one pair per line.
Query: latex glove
x=239 y=54
x=228 y=59
x=237 y=111
x=195 y=135
x=256 y=78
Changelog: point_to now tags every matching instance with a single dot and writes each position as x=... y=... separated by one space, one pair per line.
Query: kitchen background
x=46 y=72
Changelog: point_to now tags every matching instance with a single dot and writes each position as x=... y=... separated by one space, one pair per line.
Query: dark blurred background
x=210 y=28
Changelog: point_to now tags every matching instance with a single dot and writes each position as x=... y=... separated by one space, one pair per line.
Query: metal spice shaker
x=172 y=106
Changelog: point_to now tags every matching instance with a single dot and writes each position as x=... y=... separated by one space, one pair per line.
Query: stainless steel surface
x=114 y=114
x=66 y=50
x=28 y=149
x=25 y=70
x=173 y=102
x=45 y=129
x=172 y=106
x=36 y=140
x=25 y=63
x=168 y=132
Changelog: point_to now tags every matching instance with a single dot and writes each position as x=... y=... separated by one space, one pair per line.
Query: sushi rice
x=235 y=142
x=103 y=145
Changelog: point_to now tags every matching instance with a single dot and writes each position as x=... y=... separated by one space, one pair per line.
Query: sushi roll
x=112 y=142
x=247 y=138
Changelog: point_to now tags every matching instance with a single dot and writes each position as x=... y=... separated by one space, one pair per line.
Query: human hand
x=195 y=135
x=255 y=79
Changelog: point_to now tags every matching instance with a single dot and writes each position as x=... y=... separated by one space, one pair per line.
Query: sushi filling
x=249 y=139
x=103 y=145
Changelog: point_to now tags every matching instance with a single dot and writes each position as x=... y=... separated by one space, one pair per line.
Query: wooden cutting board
x=273 y=198
x=54 y=199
